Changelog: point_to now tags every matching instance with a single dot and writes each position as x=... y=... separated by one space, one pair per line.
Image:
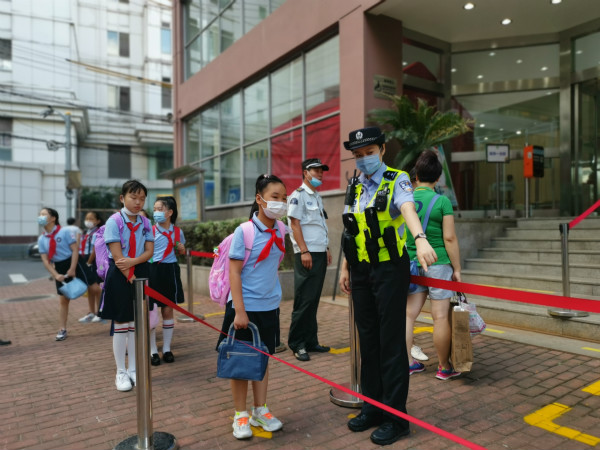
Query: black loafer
x=364 y=421
x=155 y=359
x=3 y=342
x=319 y=349
x=168 y=357
x=302 y=355
x=388 y=433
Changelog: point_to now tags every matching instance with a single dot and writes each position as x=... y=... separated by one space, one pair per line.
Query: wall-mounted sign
x=497 y=153
x=383 y=86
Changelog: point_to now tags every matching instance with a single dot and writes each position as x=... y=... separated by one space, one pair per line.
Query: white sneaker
x=123 y=382
x=417 y=353
x=262 y=417
x=96 y=319
x=87 y=318
x=132 y=375
x=241 y=427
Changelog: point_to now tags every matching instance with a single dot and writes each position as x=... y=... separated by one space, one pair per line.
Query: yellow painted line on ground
x=591 y=349
x=417 y=330
x=220 y=313
x=491 y=330
x=544 y=419
x=337 y=351
x=593 y=388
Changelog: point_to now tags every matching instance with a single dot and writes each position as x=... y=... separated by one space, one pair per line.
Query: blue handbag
x=238 y=361
x=73 y=289
x=414 y=264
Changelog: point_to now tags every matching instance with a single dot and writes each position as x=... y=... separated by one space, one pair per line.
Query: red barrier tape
x=587 y=212
x=203 y=254
x=559 y=301
x=157 y=296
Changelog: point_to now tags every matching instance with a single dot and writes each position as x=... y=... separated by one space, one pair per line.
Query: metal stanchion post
x=564 y=239
x=146 y=439
x=190 y=279
x=338 y=396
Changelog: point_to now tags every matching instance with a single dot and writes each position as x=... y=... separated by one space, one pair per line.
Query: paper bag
x=462 y=350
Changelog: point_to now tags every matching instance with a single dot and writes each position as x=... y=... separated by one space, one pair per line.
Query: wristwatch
x=420 y=235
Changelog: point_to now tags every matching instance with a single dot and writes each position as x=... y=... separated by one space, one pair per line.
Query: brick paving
x=61 y=395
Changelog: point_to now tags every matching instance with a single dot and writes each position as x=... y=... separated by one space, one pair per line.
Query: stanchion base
x=344 y=399
x=567 y=313
x=161 y=441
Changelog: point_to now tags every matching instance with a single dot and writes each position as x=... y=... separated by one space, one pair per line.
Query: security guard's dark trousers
x=379 y=298
x=308 y=285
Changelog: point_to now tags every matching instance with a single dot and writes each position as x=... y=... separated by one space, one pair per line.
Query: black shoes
x=3 y=342
x=389 y=432
x=319 y=349
x=364 y=421
x=155 y=359
x=168 y=357
x=302 y=355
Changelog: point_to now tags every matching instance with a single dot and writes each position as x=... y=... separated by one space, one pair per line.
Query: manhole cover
x=26 y=299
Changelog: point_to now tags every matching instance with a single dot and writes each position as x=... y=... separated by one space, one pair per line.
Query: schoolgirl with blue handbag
x=251 y=311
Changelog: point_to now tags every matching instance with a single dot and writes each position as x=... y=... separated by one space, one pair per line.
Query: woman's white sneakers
x=123 y=381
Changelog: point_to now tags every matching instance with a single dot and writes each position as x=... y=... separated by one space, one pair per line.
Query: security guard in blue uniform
x=379 y=208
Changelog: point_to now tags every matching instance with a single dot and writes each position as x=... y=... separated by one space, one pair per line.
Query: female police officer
x=379 y=207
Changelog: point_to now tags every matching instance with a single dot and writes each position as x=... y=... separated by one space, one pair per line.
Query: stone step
x=531 y=233
x=585 y=288
x=516 y=254
x=545 y=244
x=553 y=223
x=535 y=318
x=525 y=267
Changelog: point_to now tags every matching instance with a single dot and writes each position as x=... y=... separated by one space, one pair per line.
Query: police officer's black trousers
x=379 y=298
x=308 y=285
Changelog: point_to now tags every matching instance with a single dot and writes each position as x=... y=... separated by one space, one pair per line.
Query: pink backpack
x=218 y=279
x=101 y=248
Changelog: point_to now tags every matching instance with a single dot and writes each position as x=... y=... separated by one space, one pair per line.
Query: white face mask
x=129 y=213
x=274 y=210
x=89 y=224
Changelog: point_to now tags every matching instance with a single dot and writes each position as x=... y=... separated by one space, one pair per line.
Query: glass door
x=586 y=164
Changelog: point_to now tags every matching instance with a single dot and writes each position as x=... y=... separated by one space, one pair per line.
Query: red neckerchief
x=267 y=248
x=170 y=245
x=84 y=239
x=52 y=244
x=132 y=245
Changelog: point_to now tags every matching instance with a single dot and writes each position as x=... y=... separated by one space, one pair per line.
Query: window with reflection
x=209 y=126
x=231 y=189
x=585 y=52
x=286 y=95
x=256 y=162
x=256 y=111
x=230 y=122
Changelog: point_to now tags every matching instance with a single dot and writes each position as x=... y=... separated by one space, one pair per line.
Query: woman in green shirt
x=441 y=235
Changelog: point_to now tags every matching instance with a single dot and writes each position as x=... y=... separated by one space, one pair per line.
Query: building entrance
x=587 y=148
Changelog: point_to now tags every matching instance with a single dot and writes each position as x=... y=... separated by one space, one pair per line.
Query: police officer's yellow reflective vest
x=385 y=220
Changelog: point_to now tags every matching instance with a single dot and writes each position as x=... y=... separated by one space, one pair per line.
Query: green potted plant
x=417 y=128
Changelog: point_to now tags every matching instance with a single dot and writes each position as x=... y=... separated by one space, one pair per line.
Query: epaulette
x=300 y=189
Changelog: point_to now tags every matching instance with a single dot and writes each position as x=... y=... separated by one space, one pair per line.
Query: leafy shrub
x=206 y=236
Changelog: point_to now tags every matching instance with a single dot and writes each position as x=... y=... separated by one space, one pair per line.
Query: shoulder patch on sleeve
x=390 y=175
x=300 y=189
x=406 y=186
x=294 y=201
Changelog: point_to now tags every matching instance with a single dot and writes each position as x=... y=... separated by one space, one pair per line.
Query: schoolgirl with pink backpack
x=165 y=274
x=255 y=295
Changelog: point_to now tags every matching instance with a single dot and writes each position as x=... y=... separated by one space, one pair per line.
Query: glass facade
x=212 y=26
x=270 y=126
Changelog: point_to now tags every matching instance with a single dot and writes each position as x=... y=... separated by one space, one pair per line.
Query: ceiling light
x=485 y=138
x=543 y=69
x=482 y=125
x=579 y=52
x=479 y=77
x=404 y=63
x=469 y=6
x=518 y=131
x=492 y=53
x=555 y=2
x=519 y=61
x=453 y=70
x=506 y=21
x=501 y=129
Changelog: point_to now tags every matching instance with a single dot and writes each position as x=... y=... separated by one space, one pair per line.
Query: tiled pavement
x=61 y=395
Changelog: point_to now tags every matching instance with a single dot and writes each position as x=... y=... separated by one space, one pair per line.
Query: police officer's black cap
x=313 y=163
x=364 y=137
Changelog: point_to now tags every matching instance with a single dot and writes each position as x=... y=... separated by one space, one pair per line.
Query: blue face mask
x=159 y=216
x=369 y=164
x=315 y=182
x=42 y=220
